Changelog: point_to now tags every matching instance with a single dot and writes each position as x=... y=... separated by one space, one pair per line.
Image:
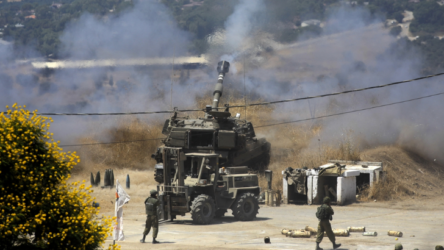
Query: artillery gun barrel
x=222 y=68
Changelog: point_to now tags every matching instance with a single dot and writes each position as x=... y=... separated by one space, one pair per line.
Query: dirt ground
x=420 y=219
x=414 y=205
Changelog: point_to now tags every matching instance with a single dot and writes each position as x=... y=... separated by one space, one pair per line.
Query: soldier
x=439 y=247
x=325 y=214
x=151 y=204
x=398 y=246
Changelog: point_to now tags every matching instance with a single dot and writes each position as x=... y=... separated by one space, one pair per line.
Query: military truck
x=232 y=138
x=195 y=183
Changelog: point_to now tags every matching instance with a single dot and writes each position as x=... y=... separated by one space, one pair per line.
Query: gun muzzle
x=222 y=68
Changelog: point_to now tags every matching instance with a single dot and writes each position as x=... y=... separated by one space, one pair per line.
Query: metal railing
x=172 y=189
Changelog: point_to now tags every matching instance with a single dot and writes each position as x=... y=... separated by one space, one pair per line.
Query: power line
x=247 y=105
x=274 y=124
x=337 y=93
x=348 y=112
x=102 y=143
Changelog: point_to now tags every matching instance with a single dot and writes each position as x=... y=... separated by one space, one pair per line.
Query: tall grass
x=133 y=155
x=389 y=189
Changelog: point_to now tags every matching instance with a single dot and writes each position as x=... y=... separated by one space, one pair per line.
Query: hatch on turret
x=219 y=114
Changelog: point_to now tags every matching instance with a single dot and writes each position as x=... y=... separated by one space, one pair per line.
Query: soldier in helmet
x=439 y=247
x=325 y=214
x=398 y=246
x=151 y=204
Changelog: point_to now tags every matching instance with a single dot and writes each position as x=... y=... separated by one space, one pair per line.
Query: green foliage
x=39 y=208
x=201 y=20
x=291 y=35
x=395 y=31
x=44 y=31
x=392 y=9
x=429 y=18
x=289 y=10
x=433 y=51
x=398 y=16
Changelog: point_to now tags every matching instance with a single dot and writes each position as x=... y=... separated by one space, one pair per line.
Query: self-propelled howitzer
x=232 y=138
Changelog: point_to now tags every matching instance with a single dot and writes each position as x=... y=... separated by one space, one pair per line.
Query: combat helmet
x=153 y=192
x=327 y=200
x=398 y=246
x=439 y=247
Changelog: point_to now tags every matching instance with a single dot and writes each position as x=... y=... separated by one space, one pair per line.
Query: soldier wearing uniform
x=151 y=204
x=325 y=214
x=398 y=246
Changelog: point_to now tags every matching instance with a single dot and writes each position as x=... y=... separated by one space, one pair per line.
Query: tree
x=39 y=209
x=27 y=7
x=395 y=31
x=398 y=16
x=429 y=18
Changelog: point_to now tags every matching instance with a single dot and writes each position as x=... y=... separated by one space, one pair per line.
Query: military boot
x=143 y=239
x=155 y=241
x=336 y=245
x=317 y=247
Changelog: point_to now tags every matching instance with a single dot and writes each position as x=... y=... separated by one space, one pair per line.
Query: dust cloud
x=353 y=52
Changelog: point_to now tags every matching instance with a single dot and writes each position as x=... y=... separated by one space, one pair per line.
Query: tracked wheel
x=246 y=207
x=203 y=209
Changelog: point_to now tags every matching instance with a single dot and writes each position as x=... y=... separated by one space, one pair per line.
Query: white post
x=284 y=188
x=315 y=189
x=310 y=190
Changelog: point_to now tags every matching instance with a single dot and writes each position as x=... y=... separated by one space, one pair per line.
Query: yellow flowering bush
x=38 y=207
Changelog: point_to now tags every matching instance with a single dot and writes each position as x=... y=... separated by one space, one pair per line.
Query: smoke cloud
x=145 y=31
x=353 y=52
x=239 y=25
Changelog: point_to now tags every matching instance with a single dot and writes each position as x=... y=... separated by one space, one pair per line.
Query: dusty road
x=421 y=221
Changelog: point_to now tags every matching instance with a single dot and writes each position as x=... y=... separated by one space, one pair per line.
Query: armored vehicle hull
x=232 y=138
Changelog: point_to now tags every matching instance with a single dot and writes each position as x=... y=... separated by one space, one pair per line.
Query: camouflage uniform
x=326 y=213
x=151 y=217
x=324 y=225
x=151 y=204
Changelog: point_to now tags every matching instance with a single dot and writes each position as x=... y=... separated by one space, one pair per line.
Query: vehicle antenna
x=245 y=92
x=172 y=74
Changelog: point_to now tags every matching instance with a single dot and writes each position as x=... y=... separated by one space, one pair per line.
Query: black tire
x=203 y=209
x=220 y=213
x=246 y=207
